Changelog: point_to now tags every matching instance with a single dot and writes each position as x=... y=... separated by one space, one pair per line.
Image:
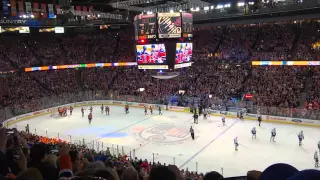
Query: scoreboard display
x=187 y=25
x=146 y=26
x=164 y=40
x=169 y=25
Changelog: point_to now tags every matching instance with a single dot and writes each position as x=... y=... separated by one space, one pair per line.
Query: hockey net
x=54 y=112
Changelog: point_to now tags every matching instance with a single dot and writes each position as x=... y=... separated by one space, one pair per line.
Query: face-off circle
x=163 y=134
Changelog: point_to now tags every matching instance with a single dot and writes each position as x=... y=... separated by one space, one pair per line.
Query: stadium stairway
x=43 y=85
x=63 y=50
x=114 y=77
x=224 y=34
x=304 y=95
x=255 y=43
x=79 y=79
x=295 y=42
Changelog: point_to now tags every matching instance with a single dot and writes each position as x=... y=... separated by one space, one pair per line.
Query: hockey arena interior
x=159 y=90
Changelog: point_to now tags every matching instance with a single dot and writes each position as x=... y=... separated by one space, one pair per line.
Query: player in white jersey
x=273 y=134
x=236 y=144
x=223 y=118
x=205 y=114
x=254 y=133
x=300 y=137
x=316 y=159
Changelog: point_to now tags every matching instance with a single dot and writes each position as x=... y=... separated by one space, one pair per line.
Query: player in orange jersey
x=90 y=117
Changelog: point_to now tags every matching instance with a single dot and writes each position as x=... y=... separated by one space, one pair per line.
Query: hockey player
x=319 y=146
x=91 y=109
x=145 y=110
x=273 y=134
x=71 y=109
x=205 y=113
x=223 y=118
x=316 y=159
x=300 y=137
x=254 y=133
x=65 y=111
x=241 y=114
x=102 y=108
x=159 y=109
x=192 y=133
x=236 y=144
x=259 y=119
x=107 y=110
x=151 y=110
x=90 y=117
x=195 y=118
x=27 y=128
x=82 y=111
x=126 y=107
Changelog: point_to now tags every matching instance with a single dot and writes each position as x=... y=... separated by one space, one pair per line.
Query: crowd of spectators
x=41 y=158
x=47 y=49
x=308 y=48
x=275 y=42
x=238 y=42
x=222 y=67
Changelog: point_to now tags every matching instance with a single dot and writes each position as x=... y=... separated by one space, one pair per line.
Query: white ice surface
x=168 y=137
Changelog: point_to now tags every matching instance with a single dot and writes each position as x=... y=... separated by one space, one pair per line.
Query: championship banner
x=35 y=10
x=44 y=8
x=5 y=7
x=28 y=8
x=50 y=11
x=84 y=8
x=20 y=7
x=13 y=8
x=90 y=8
x=78 y=8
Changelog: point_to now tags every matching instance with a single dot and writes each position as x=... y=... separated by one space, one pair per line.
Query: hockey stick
x=243 y=145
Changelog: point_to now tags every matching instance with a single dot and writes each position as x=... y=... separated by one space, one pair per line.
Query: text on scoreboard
x=146 y=26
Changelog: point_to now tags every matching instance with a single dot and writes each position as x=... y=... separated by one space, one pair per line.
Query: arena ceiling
x=137 y=5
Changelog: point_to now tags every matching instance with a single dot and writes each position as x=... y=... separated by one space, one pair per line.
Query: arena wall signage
x=266 y=118
x=12 y=22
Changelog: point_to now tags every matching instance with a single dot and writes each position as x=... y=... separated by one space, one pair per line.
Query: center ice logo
x=163 y=134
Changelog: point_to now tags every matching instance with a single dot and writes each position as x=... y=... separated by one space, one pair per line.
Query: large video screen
x=151 y=54
x=183 y=52
x=169 y=25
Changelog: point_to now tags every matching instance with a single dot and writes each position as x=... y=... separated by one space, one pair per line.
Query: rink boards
x=265 y=118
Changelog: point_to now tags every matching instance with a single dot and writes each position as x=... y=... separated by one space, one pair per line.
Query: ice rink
x=168 y=137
